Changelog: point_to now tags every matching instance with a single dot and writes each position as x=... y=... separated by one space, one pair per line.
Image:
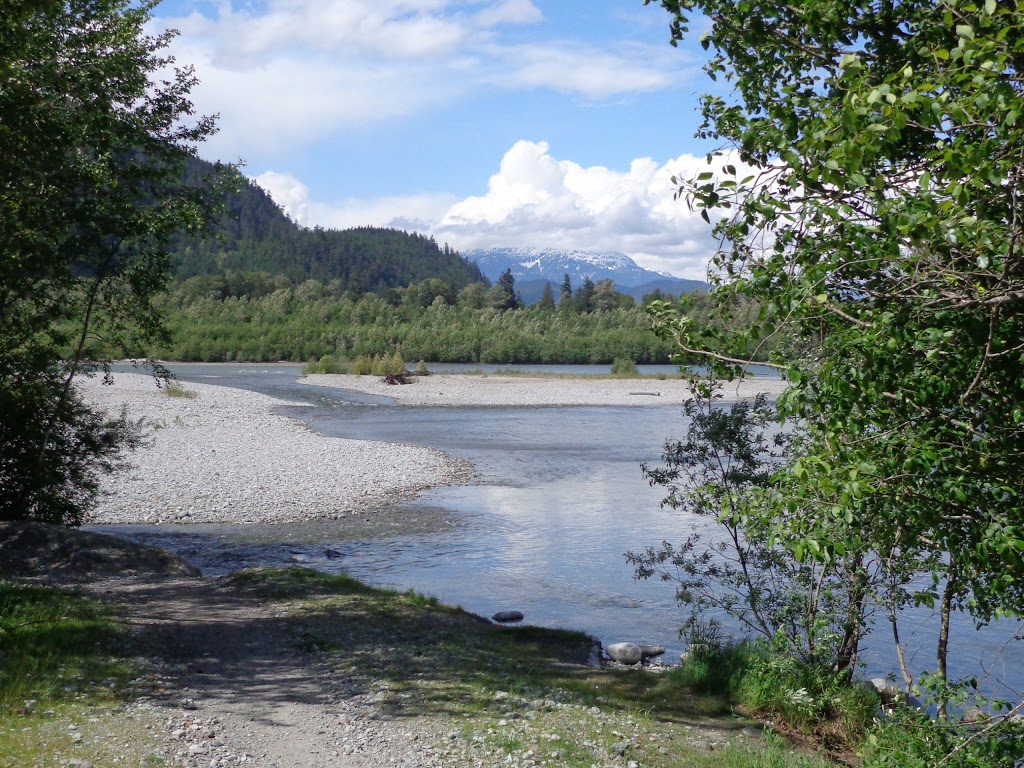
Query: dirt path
x=236 y=691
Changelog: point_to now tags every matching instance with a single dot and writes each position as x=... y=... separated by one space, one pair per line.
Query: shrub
x=389 y=365
x=173 y=389
x=909 y=739
x=624 y=368
x=363 y=365
x=328 y=364
x=804 y=693
x=712 y=663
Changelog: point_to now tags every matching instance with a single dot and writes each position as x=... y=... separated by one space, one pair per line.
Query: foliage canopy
x=95 y=123
x=869 y=197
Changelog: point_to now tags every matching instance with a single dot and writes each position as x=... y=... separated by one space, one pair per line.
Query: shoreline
x=222 y=456
x=454 y=390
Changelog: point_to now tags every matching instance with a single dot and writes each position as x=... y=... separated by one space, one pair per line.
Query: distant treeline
x=259 y=317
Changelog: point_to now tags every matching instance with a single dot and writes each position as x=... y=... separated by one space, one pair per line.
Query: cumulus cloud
x=297 y=71
x=536 y=199
x=409 y=212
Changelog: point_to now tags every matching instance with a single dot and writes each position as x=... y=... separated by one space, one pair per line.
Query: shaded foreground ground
x=291 y=668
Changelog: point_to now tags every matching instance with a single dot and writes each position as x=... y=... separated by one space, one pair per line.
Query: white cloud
x=409 y=212
x=575 y=68
x=300 y=71
x=536 y=199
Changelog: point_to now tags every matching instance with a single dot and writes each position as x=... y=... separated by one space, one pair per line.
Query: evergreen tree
x=565 y=293
x=585 y=296
x=503 y=295
x=547 y=299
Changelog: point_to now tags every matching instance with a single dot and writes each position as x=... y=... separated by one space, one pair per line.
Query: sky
x=485 y=123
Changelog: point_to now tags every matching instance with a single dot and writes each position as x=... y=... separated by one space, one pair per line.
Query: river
x=559 y=499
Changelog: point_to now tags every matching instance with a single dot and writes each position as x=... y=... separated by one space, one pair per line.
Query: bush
x=363 y=365
x=328 y=364
x=805 y=694
x=389 y=365
x=624 y=368
x=908 y=739
x=711 y=663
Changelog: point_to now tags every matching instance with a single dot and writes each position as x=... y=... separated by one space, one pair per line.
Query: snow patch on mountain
x=553 y=265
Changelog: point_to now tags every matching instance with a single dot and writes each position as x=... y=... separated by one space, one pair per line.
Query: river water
x=559 y=499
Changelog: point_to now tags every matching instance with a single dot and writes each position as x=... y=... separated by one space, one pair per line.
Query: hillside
x=255 y=235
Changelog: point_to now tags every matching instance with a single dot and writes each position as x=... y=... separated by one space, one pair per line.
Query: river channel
x=559 y=499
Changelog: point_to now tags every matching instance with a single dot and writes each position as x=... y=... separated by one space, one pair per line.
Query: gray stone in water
x=504 y=617
x=650 y=651
x=625 y=653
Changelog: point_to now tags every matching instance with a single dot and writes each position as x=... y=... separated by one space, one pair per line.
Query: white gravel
x=223 y=456
x=488 y=390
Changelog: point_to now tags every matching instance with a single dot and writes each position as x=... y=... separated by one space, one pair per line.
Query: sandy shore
x=463 y=390
x=223 y=456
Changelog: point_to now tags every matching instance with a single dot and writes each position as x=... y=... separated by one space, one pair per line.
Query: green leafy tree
x=95 y=127
x=870 y=199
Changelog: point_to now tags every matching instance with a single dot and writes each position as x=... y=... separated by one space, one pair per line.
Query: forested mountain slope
x=255 y=235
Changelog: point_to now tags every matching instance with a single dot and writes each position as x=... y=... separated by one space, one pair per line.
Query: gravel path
x=463 y=390
x=223 y=456
x=232 y=690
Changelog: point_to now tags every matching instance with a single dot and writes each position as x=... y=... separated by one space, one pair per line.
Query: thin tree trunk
x=942 y=651
x=846 y=658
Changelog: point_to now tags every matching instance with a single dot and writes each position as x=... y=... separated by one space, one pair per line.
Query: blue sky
x=487 y=123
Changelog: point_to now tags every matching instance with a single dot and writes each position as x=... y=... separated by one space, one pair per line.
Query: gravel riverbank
x=222 y=456
x=488 y=390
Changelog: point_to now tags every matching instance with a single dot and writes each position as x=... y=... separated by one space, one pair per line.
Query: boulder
x=650 y=651
x=891 y=695
x=504 y=617
x=625 y=653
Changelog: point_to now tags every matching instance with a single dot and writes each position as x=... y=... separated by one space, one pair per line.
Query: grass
x=63 y=663
x=174 y=389
x=518 y=692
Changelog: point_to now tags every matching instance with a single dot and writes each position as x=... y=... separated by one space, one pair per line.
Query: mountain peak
x=539 y=265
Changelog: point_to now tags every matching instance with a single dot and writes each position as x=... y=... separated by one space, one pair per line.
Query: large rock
x=891 y=696
x=625 y=653
x=504 y=617
x=650 y=651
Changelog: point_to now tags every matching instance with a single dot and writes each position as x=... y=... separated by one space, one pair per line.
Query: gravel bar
x=495 y=390
x=222 y=456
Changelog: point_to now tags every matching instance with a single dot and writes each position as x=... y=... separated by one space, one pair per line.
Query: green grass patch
x=174 y=389
x=62 y=664
x=511 y=691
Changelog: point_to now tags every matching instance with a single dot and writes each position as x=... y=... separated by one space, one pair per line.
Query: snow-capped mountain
x=539 y=265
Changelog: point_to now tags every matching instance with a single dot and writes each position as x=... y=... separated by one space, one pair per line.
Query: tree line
x=252 y=316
